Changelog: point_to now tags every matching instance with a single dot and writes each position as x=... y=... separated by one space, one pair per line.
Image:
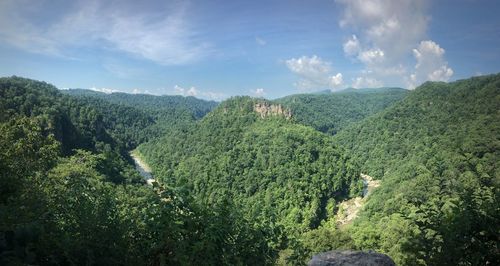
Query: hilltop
x=436 y=152
x=249 y=181
x=332 y=112
x=282 y=175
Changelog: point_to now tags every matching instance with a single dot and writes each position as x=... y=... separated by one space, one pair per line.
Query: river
x=142 y=168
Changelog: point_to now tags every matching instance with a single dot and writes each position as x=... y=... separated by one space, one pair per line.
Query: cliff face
x=266 y=109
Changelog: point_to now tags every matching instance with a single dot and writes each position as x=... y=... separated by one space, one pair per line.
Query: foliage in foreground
x=69 y=196
x=437 y=152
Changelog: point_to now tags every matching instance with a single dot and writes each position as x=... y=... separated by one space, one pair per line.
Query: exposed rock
x=266 y=109
x=369 y=183
x=348 y=209
x=351 y=258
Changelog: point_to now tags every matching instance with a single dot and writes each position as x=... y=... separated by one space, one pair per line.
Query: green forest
x=331 y=112
x=249 y=181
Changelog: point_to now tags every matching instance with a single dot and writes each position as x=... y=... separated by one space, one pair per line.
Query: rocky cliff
x=266 y=109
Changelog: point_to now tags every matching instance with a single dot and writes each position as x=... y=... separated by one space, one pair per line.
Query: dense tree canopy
x=280 y=173
x=69 y=196
x=331 y=112
x=142 y=117
x=437 y=152
x=251 y=181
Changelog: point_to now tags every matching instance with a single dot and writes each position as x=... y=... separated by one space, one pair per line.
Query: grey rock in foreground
x=351 y=258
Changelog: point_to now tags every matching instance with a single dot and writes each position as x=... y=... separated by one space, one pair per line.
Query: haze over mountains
x=249 y=181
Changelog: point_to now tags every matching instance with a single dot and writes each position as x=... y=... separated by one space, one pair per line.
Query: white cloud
x=386 y=33
x=427 y=47
x=352 y=46
x=104 y=90
x=393 y=26
x=372 y=56
x=259 y=92
x=193 y=91
x=163 y=36
x=430 y=64
x=214 y=96
x=336 y=80
x=110 y=90
x=310 y=67
x=186 y=92
x=260 y=41
x=314 y=72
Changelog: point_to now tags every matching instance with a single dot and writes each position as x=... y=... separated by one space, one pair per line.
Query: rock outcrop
x=351 y=258
x=266 y=109
x=348 y=210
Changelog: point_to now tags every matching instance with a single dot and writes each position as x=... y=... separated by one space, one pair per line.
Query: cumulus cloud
x=111 y=90
x=259 y=92
x=186 y=92
x=430 y=64
x=352 y=46
x=104 y=90
x=372 y=56
x=163 y=36
x=314 y=73
x=386 y=33
x=193 y=91
x=335 y=81
x=389 y=25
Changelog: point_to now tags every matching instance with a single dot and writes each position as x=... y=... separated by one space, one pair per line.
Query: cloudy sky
x=216 y=49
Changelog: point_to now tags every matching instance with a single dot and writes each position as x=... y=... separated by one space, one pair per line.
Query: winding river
x=142 y=168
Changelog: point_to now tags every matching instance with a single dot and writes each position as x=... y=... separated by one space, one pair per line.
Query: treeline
x=284 y=177
x=332 y=112
x=137 y=118
x=437 y=153
x=240 y=187
x=70 y=197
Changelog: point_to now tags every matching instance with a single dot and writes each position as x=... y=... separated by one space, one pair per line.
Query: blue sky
x=216 y=49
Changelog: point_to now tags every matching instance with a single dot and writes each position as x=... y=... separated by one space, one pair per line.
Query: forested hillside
x=437 y=153
x=158 y=105
x=331 y=112
x=249 y=181
x=143 y=117
x=69 y=196
x=282 y=175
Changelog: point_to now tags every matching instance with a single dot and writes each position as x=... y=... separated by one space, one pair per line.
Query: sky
x=217 y=49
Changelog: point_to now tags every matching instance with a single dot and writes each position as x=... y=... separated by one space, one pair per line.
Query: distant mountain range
x=249 y=181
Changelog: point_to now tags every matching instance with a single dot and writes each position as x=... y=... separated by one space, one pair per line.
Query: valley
x=348 y=210
x=249 y=181
x=143 y=169
x=221 y=133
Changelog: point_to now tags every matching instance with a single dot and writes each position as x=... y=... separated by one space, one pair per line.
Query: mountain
x=69 y=193
x=164 y=113
x=332 y=112
x=250 y=181
x=436 y=152
x=73 y=123
x=369 y=90
x=283 y=176
x=156 y=105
